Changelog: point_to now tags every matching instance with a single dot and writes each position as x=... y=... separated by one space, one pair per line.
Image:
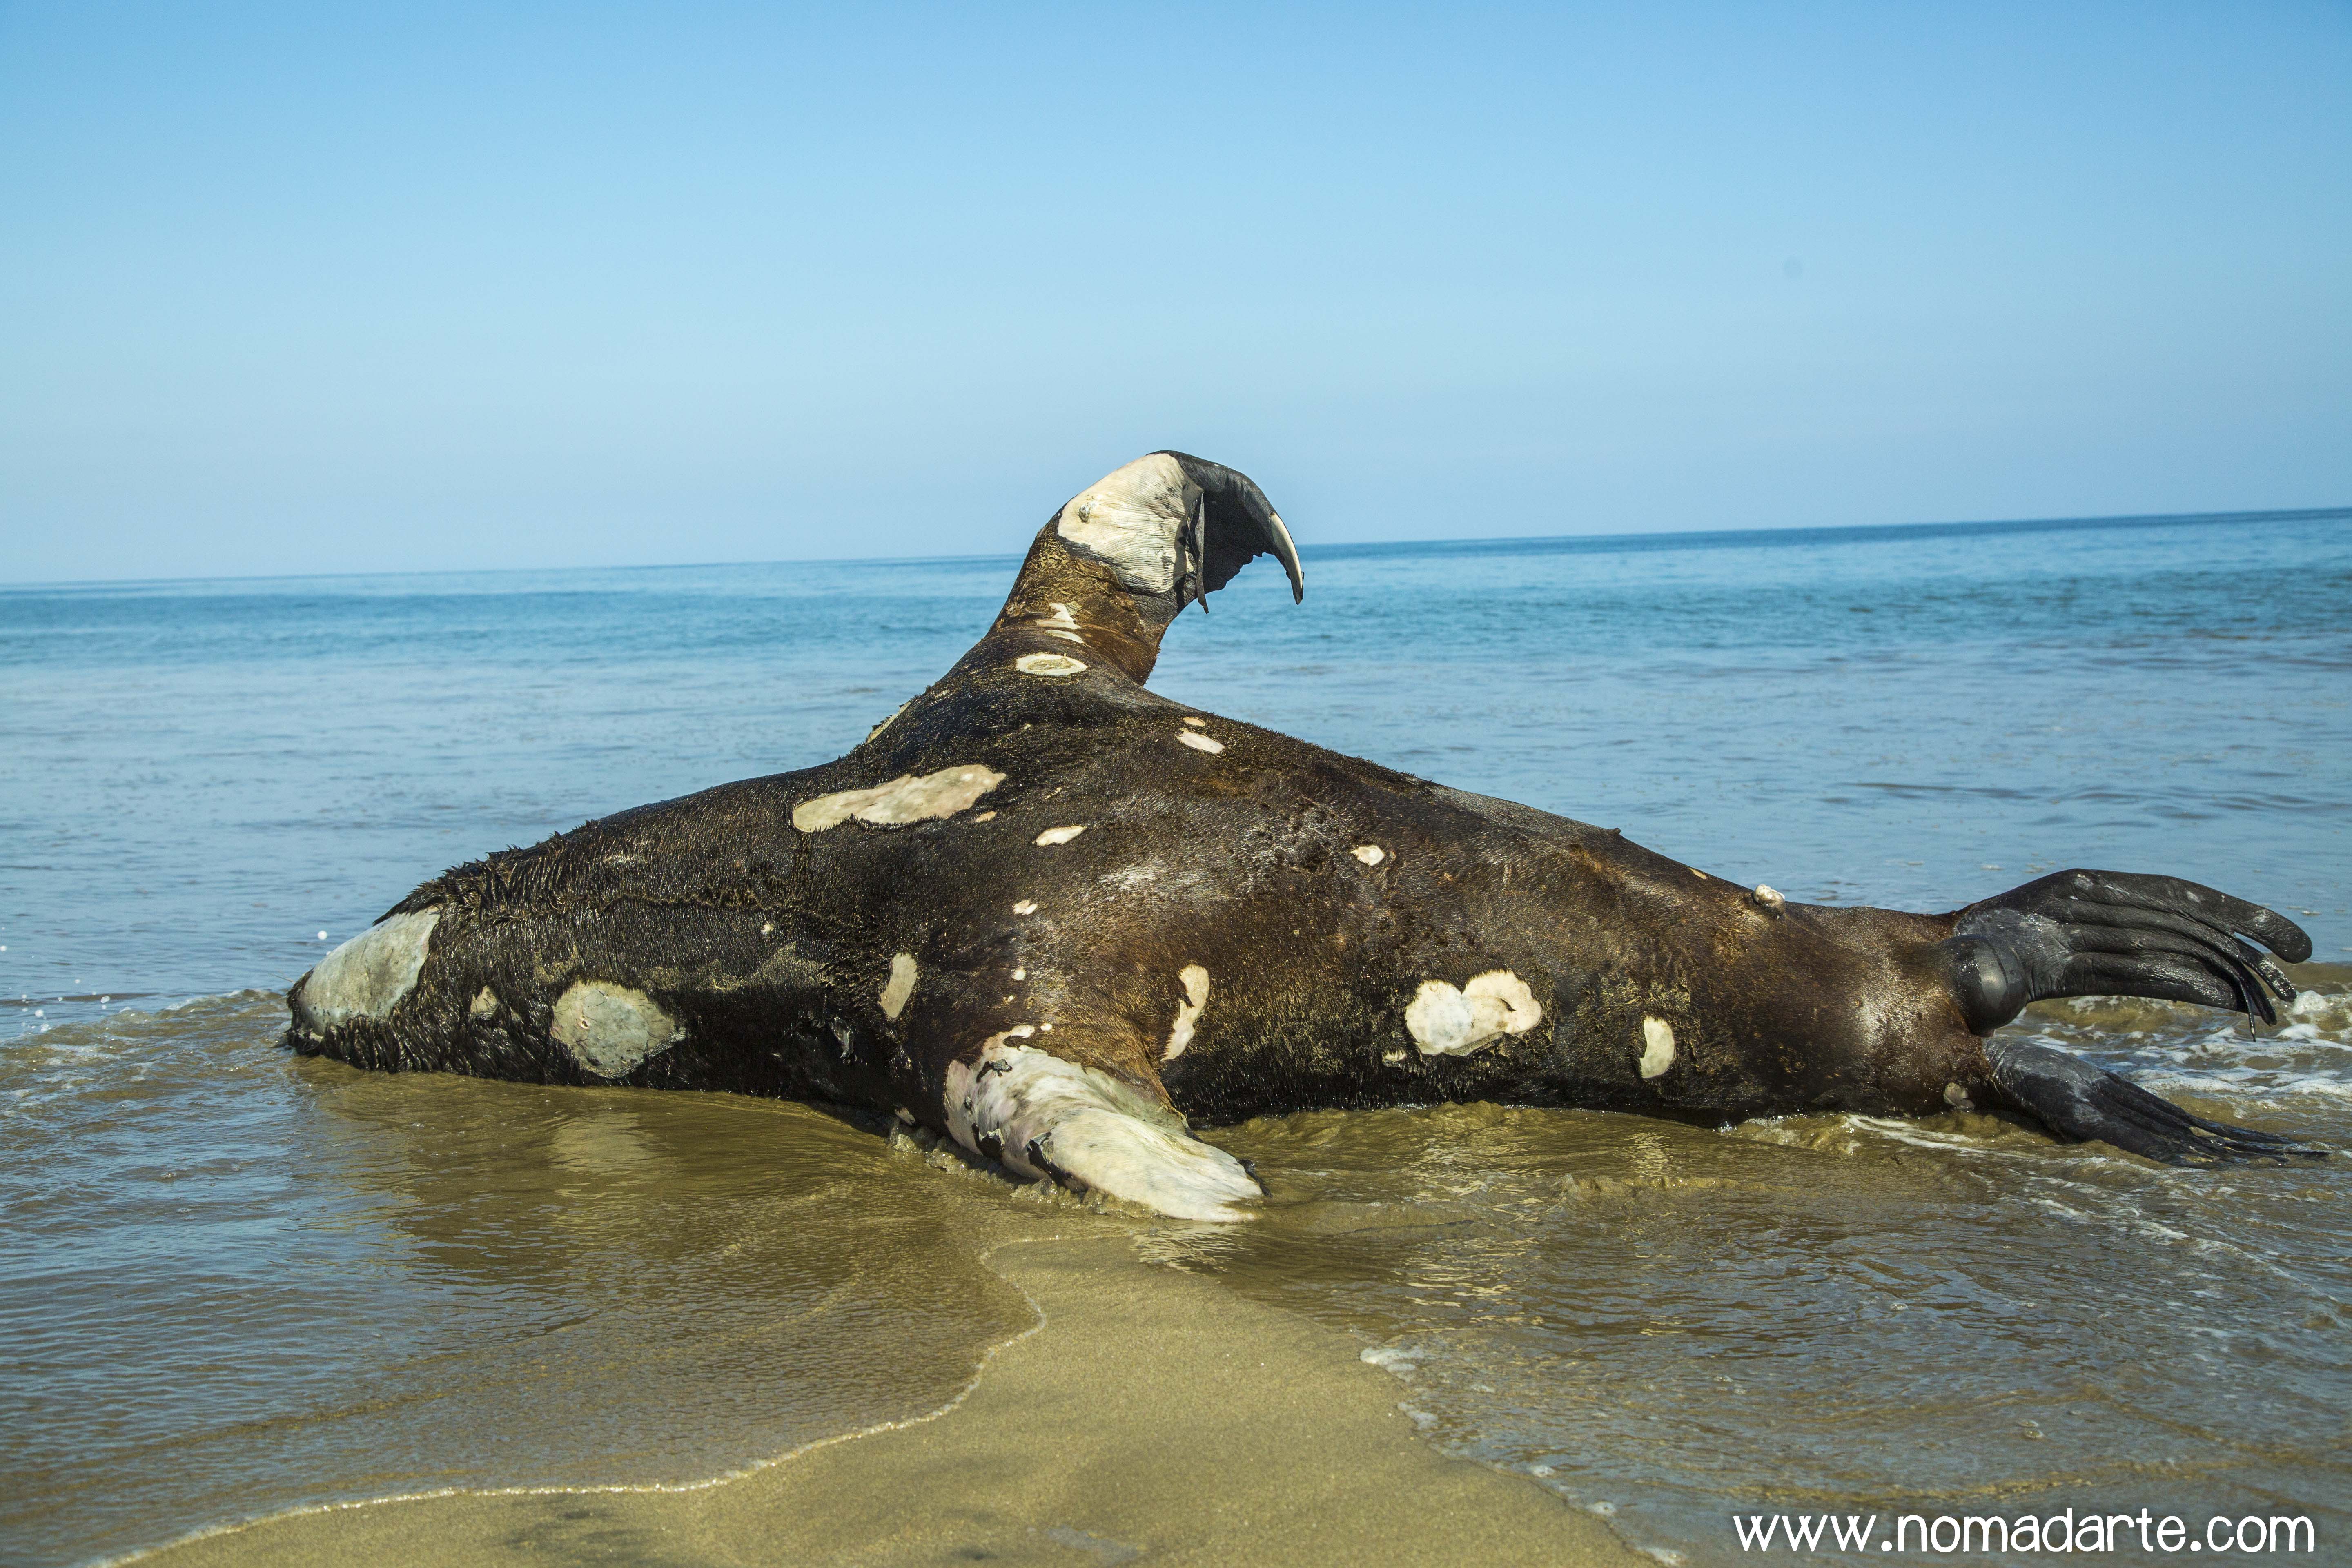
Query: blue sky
x=322 y=289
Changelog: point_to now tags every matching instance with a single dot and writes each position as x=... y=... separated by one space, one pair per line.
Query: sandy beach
x=1149 y=1416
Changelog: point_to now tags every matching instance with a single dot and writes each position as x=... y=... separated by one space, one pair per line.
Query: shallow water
x=1846 y=1314
x=236 y=1281
x=242 y=1280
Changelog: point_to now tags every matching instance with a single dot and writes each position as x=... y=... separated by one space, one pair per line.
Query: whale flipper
x=2115 y=934
x=1047 y=1116
x=2084 y=1103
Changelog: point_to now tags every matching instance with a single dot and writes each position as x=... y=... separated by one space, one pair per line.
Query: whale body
x=1062 y=921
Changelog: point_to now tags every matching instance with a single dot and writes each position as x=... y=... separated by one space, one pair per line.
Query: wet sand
x=1151 y=1416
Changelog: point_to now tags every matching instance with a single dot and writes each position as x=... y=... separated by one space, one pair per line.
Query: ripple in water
x=236 y=1281
x=239 y=1282
x=1843 y=1313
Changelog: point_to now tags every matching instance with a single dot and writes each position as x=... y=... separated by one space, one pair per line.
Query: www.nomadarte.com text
x=1944 y=1533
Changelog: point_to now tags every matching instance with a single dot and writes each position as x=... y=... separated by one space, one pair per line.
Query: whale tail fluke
x=2115 y=934
x=2083 y=1103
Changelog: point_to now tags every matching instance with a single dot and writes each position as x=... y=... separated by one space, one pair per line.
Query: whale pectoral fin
x=2084 y=1103
x=2112 y=933
x=1048 y=1117
x=1125 y=1157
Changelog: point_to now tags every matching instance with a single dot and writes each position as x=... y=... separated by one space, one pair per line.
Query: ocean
x=235 y=1282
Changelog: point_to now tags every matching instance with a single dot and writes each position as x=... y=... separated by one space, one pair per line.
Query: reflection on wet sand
x=637 y=1273
x=1149 y=1418
x=366 y=1286
x=378 y=1284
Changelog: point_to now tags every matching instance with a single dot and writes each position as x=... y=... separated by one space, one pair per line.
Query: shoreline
x=1148 y=1415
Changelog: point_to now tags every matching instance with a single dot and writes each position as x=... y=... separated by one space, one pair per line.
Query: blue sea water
x=201 y=775
x=206 y=786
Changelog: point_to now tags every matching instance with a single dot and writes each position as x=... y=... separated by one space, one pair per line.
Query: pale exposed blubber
x=902 y=800
x=900 y=986
x=1657 y=1046
x=366 y=976
x=1195 y=981
x=1444 y=1021
x=611 y=1029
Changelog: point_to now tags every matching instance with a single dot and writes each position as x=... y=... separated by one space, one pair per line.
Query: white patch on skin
x=1048 y=664
x=901 y=985
x=892 y=719
x=1020 y=974
x=1392 y=1057
x=611 y=1029
x=902 y=800
x=485 y=1003
x=1200 y=743
x=1768 y=898
x=1026 y=907
x=366 y=976
x=1060 y=624
x=1129 y=521
x=985 y=816
x=1053 y=835
x=769 y=929
x=1196 y=720
x=1195 y=980
x=1044 y=1116
x=963 y=1081
x=1370 y=854
x=1445 y=1022
x=1657 y=1046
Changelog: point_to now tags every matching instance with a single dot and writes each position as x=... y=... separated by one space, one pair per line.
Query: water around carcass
x=1850 y=1315
x=236 y=1281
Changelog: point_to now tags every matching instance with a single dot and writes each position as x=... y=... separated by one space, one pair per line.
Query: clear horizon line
x=1336 y=549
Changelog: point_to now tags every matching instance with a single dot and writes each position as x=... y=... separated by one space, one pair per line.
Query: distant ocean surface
x=235 y=1283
